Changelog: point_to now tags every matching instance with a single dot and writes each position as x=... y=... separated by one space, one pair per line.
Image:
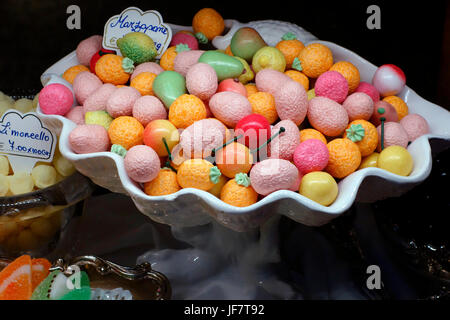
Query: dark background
x=414 y=35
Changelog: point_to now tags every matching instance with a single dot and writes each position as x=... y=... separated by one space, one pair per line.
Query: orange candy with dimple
x=234 y=158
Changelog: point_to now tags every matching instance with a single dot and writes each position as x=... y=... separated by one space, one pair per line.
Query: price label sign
x=134 y=19
x=25 y=140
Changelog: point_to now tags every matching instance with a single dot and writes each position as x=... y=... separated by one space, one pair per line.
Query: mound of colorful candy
x=240 y=124
x=31 y=279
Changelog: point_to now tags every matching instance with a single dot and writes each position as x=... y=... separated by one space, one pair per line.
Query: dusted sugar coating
x=121 y=101
x=344 y=157
x=141 y=163
x=399 y=105
x=165 y=183
x=238 y=195
x=315 y=59
x=382 y=109
x=350 y=73
x=97 y=100
x=233 y=159
x=394 y=135
x=151 y=67
x=201 y=81
x=89 y=138
x=186 y=38
x=269 y=80
x=368 y=89
x=84 y=84
x=70 y=74
x=185 y=60
x=109 y=68
x=194 y=173
x=359 y=106
x=148 y=108
x=271 y=175
x=202 y=136
x=291 y=102
x=56 y=99
x=76 y=114
x=333 y=85
x=368 y=142
x=126 y=131
x=87 y=48
x=185 y=110
x=230 y=107
x=415 y=126
x=283 y=145
x=310 y=133
x=311 y=155
x=327 y=116
x=209 y=22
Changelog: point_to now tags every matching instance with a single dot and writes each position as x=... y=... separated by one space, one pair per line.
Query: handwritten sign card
x=25 y=140
x=134 y=19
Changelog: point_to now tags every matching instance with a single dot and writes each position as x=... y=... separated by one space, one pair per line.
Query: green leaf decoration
x=118 y=149
x=182 y=47
x=201 y=38
x=242 y=179
x=128 y=65
x=356 y=132
x=296 y=64
x=289 y=36
x=214 y=174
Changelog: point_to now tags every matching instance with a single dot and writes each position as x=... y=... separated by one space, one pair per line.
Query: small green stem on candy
x=382 y=119
x=282 y=129
x=170 y=155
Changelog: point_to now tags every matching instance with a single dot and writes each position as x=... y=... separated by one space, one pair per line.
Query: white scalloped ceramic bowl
x=191 y=207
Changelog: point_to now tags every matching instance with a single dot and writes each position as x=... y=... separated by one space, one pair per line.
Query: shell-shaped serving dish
x=191 y=207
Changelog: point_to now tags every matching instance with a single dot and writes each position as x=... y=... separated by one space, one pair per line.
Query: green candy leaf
x=182 y=47
x=355 y=133
x=289 y=36
x=214 y=174
x=201 y=38
x=128 y=65
x=296 y=64
x=118 y=149
x=242 y=179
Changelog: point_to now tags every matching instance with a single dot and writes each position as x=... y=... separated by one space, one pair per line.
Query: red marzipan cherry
x=97 y=56
x=255 y=128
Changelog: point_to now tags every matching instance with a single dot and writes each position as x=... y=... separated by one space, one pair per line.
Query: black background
x=33 y=34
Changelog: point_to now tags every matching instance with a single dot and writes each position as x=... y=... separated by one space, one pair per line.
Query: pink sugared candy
x=121 y=101
x=76 y=114
x=97 y=100
x=291 y=102
x=271 y=175
x=415 y=126
x=184 y=60
x=87 y=48
x=368 y=89
x=283 y=145
x=89 y=138
x=151 y=67
x=198 y=140
x=84 y=84
x=332 y=85
x=229 y=107
x=186 y=38
x=201 y=81
x=389 y=80
x=382 y=109
x=359 y=106
x=311 y=155
x=142 y=163
x=55 y=98
x=148 y=108
x=394 y=135
x=327 y=116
